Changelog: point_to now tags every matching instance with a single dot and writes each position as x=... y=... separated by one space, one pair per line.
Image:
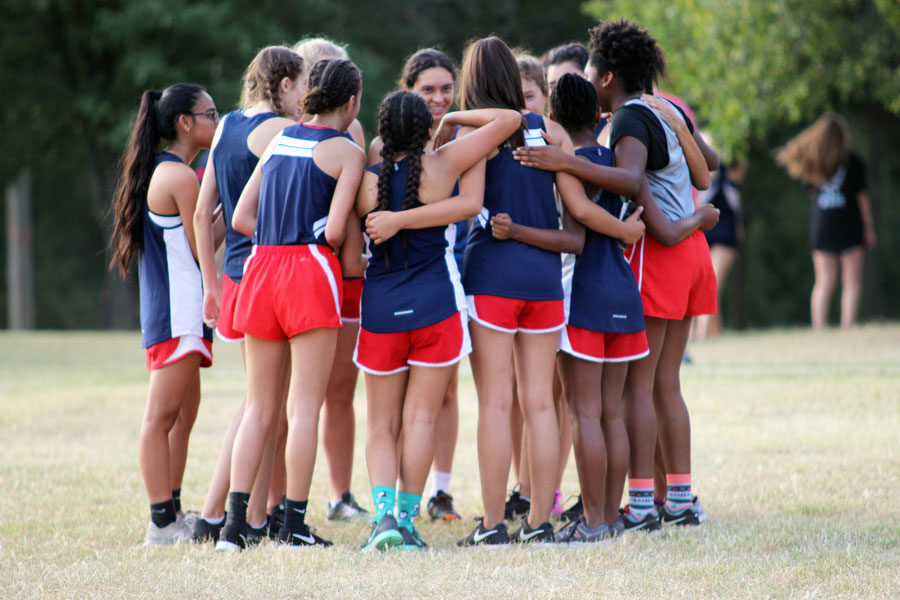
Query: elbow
x=577 y=246
x=243 y=226
x=703 y=182
x=334 y=239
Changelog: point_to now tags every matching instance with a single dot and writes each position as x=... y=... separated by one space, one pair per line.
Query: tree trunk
x=20 y=253
x=877 y=125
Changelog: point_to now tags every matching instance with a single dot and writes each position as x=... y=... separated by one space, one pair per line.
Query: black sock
x=176 y=496
x=237 y=507
x=294 y=514
x=163 y=513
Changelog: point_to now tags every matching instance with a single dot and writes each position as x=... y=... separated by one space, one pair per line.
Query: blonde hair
x=817 y=152
x=530 y=68
x=314 y=49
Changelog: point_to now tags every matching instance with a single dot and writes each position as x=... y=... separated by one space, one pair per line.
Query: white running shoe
x=176 y=531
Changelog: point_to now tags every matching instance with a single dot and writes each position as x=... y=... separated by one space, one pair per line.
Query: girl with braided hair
x=153 y=210
x=515 y=297
x=676 y=282
x=269 y=101
x=413 y=330
x=295 y=205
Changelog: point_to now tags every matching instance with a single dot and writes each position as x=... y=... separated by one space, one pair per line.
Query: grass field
x=796 y=458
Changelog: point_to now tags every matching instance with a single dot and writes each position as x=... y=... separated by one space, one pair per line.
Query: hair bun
x=155 y=95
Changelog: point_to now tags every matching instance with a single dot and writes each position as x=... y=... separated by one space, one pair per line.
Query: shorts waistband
x=290 y=249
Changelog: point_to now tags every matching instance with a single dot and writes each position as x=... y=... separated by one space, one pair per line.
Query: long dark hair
x=490 y=79
x=404 y=124
x=155 y=123
x=423 y=60
x=331 y=84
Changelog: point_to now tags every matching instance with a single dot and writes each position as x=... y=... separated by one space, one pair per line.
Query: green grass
x=796 y=458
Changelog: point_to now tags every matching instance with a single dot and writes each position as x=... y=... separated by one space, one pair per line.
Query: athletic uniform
x=726 y=196
x=413 y=306
x=171 y=290
x=677 y=281
x=835 y=223
x=292 y=279
x=234 y=163
x=511 y=286
x=604 y=315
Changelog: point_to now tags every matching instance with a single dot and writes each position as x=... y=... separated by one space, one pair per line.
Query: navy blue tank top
x=508 y=268
x=234 y=163
x=295 y=194
x=603 y=295
x=411 y=284
x=171 y=288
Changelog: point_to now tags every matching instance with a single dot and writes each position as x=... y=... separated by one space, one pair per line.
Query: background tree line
x=755 y=72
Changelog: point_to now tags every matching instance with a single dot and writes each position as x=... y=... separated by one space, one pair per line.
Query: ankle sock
x=215 y=520
x=176 y=496
x=440 y=482
x=163 y=513
x=640 y=497
x=407 y=509
x=294 y=514
x=383 y=498
x=678 y=492
x=237 y=507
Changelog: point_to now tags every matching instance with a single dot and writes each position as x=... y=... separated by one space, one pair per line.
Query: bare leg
x=447 y=427
x=312 y=354
x=852 y=262
x=180 y=434
x=217 y=494
x=565 y=428
x=491 y=361
x=582 y=382
x=516 y=426
x=640 y=416
x=673 y=420
x=168 y=391
x=259 y=496
x=825 y=265
x=425 y=392
x=278 y=480
x=616 y=436
x=535 y=364
x=338 y=417
x=384 y=394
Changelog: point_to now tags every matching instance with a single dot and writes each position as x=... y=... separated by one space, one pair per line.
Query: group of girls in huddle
x=290 y=174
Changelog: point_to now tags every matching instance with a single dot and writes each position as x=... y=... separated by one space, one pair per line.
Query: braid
x=331 y=84
x=263 y=77
x=574 y=102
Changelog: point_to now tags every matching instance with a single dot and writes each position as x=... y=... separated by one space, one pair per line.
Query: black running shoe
x=257 y=534
x=204 y=531
x=346 y=509
x=440 y=507
x=302 y=538
x=232 y=538
x=495 y=536
x=516 y=507
x=686 y=516
x=650 y=521
x=573 y=512
x=412 y=540
x=385 y=534
x=276 y=520
x=542 y=534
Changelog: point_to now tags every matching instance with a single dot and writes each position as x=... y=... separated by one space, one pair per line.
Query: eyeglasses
x=211 y=113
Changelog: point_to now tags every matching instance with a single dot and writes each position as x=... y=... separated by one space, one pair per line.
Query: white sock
x=440 y=481
x=215 y=520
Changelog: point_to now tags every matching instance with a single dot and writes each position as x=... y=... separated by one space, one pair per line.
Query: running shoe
x=495 y=536
x=346 y=509
x=440 y=507
x=542 y=534
x=578 y=531
x=303 y=538
x=204 y=531
x=176 y=531
x=188 y=518
x=685 y=516
x=516 y=507
x=276 y=520
x=385 y=534
x=257 y=534
x=232 y=538
x=573 y=512
x=650 y=521
x=617 y=527
x=698 y=508
x=412 y=540
x=557 y=510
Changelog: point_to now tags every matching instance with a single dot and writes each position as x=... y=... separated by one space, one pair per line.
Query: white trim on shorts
x=187 y=344
x=228 y=340
x=329 y=274
x=566 y=346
